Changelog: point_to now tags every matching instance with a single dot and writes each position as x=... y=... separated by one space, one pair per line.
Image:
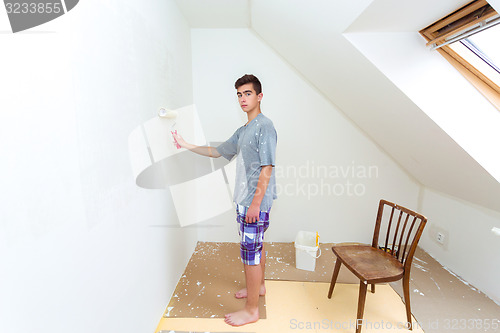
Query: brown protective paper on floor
x=215 y=272
x=280 y=265
x=206 y=289
x=439 y=298
x=294 y=306
x=442 y=302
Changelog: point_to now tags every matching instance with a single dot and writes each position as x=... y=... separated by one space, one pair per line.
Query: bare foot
x=242 y=317
x=243 y=292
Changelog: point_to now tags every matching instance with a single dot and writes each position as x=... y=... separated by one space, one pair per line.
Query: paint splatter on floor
x=214 y=274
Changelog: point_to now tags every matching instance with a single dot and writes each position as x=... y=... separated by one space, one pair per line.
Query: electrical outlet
x=440 y=238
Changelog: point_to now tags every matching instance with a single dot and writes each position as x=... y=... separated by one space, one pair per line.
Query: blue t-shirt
x=255 y=146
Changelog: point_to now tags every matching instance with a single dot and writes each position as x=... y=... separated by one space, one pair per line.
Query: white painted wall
x=470 y=248
x=312 y=133
x=80 y=246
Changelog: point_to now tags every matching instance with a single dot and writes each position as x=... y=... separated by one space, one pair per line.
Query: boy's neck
x=252 y=114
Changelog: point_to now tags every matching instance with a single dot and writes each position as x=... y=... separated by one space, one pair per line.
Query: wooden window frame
x=463 y=18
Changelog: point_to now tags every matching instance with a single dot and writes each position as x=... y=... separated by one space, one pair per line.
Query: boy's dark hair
x=249 y=78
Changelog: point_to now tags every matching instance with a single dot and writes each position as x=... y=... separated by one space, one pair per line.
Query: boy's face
x=247 y=97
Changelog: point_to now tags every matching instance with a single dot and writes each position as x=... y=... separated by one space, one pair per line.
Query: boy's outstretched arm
x=201 y=150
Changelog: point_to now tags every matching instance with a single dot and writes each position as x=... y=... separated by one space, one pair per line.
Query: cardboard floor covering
x=206 y=289
x=215 y=272
x=443 y=302
x=304 y=307
x=440 y=299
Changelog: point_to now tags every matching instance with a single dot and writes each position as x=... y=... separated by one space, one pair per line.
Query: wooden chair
x=383 y=262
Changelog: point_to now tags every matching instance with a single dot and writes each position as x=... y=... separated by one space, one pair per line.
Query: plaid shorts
x=251 y=235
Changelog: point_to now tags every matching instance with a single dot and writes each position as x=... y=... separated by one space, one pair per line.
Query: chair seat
x=369 y=264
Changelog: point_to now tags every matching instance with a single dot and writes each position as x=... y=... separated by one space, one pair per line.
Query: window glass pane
x=488 y=42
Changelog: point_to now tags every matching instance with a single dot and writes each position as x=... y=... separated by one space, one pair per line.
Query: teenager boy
x=254 y=145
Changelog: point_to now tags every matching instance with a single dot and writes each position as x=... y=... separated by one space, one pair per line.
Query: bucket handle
x=319 y=255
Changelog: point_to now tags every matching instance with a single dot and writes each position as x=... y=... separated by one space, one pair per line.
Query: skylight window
x=468 y=39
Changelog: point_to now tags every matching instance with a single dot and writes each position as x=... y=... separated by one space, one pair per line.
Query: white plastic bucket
x=306 y=251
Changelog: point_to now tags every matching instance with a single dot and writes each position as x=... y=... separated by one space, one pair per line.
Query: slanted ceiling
x=310 y=36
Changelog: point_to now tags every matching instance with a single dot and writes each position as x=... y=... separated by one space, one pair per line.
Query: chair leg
x=361 y=305
x=373 y=288
x=406 y=291
x=334 y=277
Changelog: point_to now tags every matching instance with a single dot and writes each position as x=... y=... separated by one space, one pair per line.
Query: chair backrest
x=397 y=231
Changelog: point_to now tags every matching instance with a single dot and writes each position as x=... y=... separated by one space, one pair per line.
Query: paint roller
x=170 y=114
x=165 y=113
